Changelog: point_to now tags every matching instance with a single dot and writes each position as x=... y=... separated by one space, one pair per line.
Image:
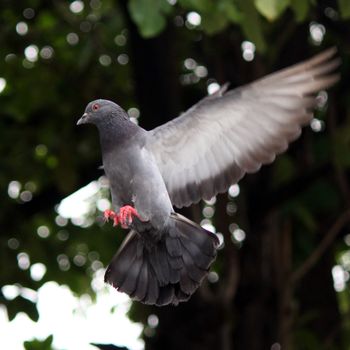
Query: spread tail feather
x=168 y=271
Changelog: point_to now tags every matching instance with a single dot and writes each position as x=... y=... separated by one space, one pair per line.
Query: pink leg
x=110 y=214
x=125 y=215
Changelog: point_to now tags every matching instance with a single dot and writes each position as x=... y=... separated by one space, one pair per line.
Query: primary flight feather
x=165 y=256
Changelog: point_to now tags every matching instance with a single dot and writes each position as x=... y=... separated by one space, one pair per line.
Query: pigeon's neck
x=117 y=132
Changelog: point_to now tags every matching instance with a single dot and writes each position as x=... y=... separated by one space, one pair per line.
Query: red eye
x=95 y=107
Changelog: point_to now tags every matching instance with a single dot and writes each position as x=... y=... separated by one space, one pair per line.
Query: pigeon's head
x=100 y=112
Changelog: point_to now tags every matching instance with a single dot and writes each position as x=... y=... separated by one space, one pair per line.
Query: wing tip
x=323 y=56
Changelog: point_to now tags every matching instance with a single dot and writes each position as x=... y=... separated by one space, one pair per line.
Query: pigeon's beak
x=83 y=119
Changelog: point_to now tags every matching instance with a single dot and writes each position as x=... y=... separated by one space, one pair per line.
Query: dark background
x=275 y=288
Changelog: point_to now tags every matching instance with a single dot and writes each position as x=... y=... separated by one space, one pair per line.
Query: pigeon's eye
x=95 y=107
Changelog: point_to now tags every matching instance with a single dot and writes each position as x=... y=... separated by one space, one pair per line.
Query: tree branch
x=329 y=237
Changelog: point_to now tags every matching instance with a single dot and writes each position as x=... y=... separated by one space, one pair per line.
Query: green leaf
x=251 y=24
x=21 y=304
x=344 y=8
x=231 y=11
x=213 y=22
x=198 y=5
x=271 y=9
x=215 y=15
x=300 y=8
x=36 y=344
x=149 y=15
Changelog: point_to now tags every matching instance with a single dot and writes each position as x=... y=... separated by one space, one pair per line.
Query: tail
x=168 y=271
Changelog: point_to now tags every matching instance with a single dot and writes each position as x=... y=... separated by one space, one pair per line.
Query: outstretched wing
x=213 y=144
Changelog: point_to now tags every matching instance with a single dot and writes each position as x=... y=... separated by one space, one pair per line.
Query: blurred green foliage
x=54 y=60
x=46 y=344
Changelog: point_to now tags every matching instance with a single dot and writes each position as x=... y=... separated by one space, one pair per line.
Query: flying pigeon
x=165 y=256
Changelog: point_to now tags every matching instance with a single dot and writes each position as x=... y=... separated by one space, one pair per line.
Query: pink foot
x=125 y=215
x=110 y=214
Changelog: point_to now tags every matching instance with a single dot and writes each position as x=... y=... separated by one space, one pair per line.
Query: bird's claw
x=124 y=218
x=125 y=215
x=110 y=214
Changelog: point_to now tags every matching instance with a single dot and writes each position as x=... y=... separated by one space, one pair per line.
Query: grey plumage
x=168 y=271
x=165 y=256
x=228 y=134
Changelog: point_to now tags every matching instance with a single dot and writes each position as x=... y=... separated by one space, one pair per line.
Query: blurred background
x=281 y=280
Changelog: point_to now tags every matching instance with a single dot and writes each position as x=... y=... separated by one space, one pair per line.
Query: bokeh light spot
x=120 y=40
x=134 y=112
x=10 y=292
x=22 y=28
x=27 y=64
x=103 y=204
x=63 y=262
x=2 y=84
x=61 y=221
x=31 y=53
x=221 y=239
x=72 y=38
x=231 y=208
x=76 y=6
x=13 y=189
x=96 y=265
x=79 y=260
x=13 y=243
x=331 y=13
x=321 y=99
x=26 y=196
x=238 y=235
x=43 y=231
x=105 y=60
x=10 y=57
x=62 y=235
x=41 y=151
x=213 y=277
x=153 y=320
x=248 y=50
x=211 y=201
x=208 y=212
x=28 y=13
x=339 y=278
x=194 y=18
x=123 y=59
x=190 y=63
x=23 y=261
x=201 y=71
x=37 y=271
x=46 y=52
x=347 y=239
x=317 y=125
x=212 y=88
x=234 y=190
x=317 y=32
